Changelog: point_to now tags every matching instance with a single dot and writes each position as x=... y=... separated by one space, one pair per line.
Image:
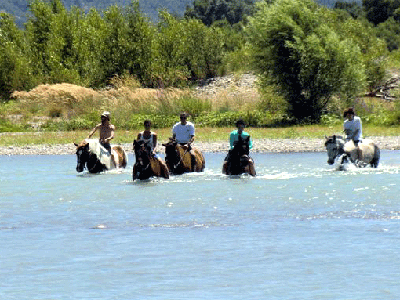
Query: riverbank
x=259 y=146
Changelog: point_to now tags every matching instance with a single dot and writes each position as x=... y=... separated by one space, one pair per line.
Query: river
x=298 y=230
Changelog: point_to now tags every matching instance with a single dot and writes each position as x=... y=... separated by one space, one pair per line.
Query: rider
x=353 y=128
x=234 y=137
x=183 y=133
x=106 y=131
x=150 y=137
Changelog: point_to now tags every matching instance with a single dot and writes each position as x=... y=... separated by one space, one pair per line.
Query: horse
x=238 y=158
x=92 y=155
x=179 y=160
x=336 y=146
x=147 y=165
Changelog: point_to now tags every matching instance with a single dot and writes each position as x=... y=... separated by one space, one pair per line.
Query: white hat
x=106 y=114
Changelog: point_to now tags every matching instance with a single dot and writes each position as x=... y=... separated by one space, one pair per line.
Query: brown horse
x=368 y=153
x=179 y=159
x=92 y=155
x=238 y=160
x=147 y=165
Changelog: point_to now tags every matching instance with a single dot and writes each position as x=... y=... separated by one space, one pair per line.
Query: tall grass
x=66 y=107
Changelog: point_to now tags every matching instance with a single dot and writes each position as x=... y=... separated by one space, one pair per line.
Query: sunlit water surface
x=299 y=230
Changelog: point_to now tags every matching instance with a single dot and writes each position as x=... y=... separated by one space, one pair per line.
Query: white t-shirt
x=353 y=126
x=183 y=133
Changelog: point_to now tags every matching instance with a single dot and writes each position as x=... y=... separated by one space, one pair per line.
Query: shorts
x=107 y=146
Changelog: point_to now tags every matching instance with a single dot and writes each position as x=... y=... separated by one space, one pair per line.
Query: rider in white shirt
x=352 y=127
x=183 y=131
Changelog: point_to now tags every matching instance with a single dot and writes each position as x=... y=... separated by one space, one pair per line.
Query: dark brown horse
x=93 y=156
x=179 y=160
x=147 y=165
x=238 y=160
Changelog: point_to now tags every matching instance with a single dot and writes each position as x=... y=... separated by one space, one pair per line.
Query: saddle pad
x=102 y=153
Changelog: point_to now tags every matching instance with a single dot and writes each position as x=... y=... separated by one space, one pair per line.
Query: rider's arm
x=232 y=140
x=93 y=131
x=154 y=141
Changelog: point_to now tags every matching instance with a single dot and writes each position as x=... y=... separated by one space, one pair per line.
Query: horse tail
x=122 y=157
x=377 y=156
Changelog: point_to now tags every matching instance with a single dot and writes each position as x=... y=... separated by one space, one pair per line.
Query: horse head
x=82 y=155
x=142 y=152
x=172 y=157
x=334 y=146
x=238 y=156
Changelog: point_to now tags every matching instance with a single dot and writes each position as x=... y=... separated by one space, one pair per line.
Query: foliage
x=390 y=32
x=15 y=71
x=211 y=11
x=353 y=8
x=185 y=50
x=378 y=11
x=297 y=49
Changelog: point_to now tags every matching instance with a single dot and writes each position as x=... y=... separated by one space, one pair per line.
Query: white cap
x=106 y=114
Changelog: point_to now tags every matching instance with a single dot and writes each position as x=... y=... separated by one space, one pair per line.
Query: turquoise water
x=299 y=230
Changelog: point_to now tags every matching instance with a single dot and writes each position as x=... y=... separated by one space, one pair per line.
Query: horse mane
x=241 y=146
x=333 y=138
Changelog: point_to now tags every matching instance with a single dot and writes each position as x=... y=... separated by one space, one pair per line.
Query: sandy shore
x=259 y=146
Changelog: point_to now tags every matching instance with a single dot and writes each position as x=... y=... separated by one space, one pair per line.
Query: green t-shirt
x=235 y=137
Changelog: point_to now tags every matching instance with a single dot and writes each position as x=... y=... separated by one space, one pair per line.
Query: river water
x=299 y=230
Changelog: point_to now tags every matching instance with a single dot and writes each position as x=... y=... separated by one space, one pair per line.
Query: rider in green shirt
x=234 y=137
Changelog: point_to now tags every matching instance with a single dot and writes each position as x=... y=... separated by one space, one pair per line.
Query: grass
x=202 y=134
x=67 y=112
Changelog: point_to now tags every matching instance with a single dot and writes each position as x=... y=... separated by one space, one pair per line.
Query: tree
x=378 y=11
x=210 y=11
x=15 y=70
x=353 y=8
x=296 y=49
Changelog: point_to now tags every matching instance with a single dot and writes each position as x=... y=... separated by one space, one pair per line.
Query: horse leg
x=164 y=169
x=224 y=167
x=193 y=162
x=135 y=173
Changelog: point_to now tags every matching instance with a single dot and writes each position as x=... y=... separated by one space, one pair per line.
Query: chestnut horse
x=92 y=155
x=147 y=165
x=179 y=160
x=336 y=146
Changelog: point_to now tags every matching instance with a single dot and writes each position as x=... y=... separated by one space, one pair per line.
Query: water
x=299 y=230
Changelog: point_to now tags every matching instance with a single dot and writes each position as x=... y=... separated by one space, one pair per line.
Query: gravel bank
x=259 y=146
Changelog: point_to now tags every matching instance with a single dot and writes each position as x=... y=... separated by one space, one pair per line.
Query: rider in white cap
x=106 y=131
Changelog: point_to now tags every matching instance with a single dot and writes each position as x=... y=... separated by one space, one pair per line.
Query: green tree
x=297 y=49
x=353 y=8
x=210 y=11
x=186 y=50
x=15 y=70
x=390 y=32
x=378 y=11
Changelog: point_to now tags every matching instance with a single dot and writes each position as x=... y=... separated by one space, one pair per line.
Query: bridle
x=140 y=153
x=83 y=156
x=337 y=149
